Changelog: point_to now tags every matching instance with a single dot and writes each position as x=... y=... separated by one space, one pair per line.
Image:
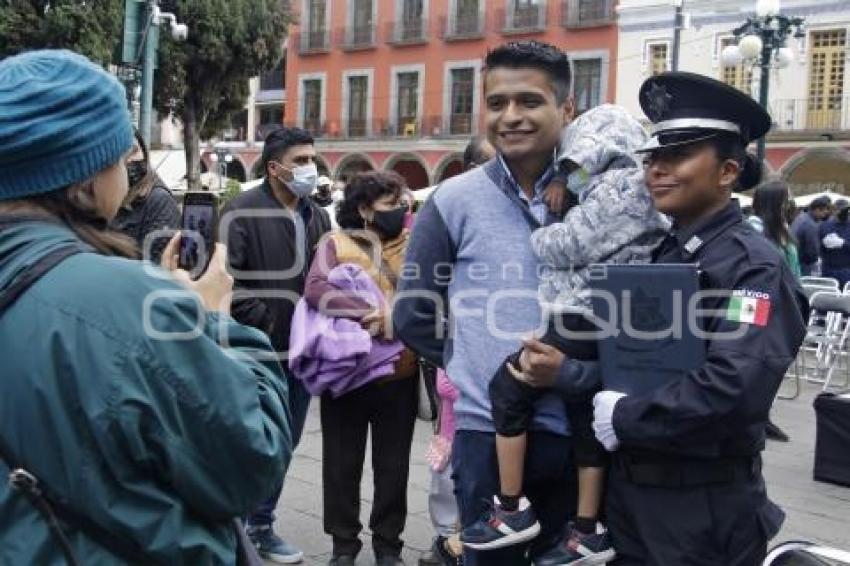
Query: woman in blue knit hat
x=135 y=419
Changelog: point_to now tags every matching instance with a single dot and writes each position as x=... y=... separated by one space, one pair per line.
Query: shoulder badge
x=750 y=307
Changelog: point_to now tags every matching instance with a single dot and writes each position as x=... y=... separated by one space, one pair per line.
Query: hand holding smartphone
x=199 y=232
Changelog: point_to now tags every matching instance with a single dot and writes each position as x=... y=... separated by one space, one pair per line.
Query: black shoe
x=773 y=432
x=342 y=560
x=388 y=560
x=439 y=555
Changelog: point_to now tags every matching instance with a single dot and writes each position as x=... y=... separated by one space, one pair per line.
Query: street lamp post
x=762 y=42
x=147 y=43
x=222 y=158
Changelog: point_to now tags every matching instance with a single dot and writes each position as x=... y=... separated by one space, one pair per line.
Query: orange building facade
x=397 y=84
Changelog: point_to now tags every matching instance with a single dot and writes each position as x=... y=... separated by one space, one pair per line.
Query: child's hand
x=555 y=196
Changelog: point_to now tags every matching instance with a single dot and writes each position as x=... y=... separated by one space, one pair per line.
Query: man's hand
x=555 y=196
x=539 y=364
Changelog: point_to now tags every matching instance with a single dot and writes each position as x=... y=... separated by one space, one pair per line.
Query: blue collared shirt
x=536 y=205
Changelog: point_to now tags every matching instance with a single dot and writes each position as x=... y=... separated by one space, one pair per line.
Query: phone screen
x=197 y=231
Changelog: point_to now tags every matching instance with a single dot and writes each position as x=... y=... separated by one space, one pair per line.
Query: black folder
x=648 y=338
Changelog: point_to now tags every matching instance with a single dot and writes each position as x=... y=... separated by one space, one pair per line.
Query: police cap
x=687 y=108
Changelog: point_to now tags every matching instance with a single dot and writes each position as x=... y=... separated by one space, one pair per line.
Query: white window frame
x=346 y=96
x=482 y=5
x=305 y=11
x=475 y=65
x=510 y=11
x=323 y=77
x=419 y=69
x=647 y=47
x=399 y=10
x=349 y=20
x=604 y=58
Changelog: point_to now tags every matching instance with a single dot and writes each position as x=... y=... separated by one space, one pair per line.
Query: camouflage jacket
x=615 y=220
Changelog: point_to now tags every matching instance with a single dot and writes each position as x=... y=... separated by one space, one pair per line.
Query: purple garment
x=336 y=354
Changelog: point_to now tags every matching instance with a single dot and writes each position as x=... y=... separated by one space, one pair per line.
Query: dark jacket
x=835 y=258
x=805 y=230
x=721 y=408
x=158 y=439
x=156 y=210
x=265 y=258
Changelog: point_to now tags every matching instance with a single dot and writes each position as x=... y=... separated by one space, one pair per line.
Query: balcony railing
x=409 y=32
x=587 y=13
x=523 y=19
x=461 y=125
x=817 y=114
x=316 y=41
x=466 y=27
x=352 y=38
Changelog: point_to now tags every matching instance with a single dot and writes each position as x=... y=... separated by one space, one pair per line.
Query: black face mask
x=390 y=222
x=136 y=171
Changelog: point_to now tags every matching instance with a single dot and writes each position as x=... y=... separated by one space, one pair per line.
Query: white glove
x=603 y=418
x=833 y=241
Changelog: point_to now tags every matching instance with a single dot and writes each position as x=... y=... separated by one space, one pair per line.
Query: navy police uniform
x=686 y=486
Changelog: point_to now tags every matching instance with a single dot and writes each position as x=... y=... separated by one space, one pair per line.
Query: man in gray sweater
x=470 y=259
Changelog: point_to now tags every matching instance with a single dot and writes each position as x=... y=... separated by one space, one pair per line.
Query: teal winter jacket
x=156 y=420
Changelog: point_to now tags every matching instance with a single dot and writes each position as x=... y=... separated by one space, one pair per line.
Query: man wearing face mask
x=271 y=233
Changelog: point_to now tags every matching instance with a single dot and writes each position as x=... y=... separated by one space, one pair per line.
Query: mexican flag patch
x=751 y=307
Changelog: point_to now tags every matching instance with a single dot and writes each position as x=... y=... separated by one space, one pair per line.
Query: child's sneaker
x=498 y=528
x=579 y=549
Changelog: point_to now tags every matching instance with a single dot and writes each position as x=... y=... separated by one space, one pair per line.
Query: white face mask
x=304 y=179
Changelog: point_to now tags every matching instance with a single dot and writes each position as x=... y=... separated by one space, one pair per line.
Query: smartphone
x=198 y=231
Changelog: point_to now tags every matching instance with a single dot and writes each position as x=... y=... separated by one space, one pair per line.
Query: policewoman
x=686 y=486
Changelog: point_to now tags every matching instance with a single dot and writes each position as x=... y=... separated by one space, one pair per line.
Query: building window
x=587 y=83
x=466 y=16
x=526 y=14
x=412 y=20
x=826 y=79
x=358 y=100
x=658 y=53
x=361 y=23
x=268 y=118
x=462 y=99
x=312 y=105
x=408 y=102
x=316 y=30
x=740 y=76
x=592 y=10
x=274 y=79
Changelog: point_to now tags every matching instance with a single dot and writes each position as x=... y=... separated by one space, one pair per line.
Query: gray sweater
x=470 y=258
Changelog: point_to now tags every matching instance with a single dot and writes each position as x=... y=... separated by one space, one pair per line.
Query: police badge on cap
x=687 y=108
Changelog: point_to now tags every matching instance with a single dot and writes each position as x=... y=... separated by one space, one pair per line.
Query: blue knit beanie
x=62 y=120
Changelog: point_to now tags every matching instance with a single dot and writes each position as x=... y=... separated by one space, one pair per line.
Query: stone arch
x=412 y=167
x=815 y=170
x=448 y=167
x=351 y=164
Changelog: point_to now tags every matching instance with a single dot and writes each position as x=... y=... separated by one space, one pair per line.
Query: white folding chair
x=807 y=363
x=821 y=281
x=831 y=340
x=846 y=288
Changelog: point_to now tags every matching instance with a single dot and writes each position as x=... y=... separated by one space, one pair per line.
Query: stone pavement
x=817 y=512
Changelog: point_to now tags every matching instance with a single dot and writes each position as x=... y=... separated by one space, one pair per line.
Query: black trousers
x=390 y=410
x=726 y=524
